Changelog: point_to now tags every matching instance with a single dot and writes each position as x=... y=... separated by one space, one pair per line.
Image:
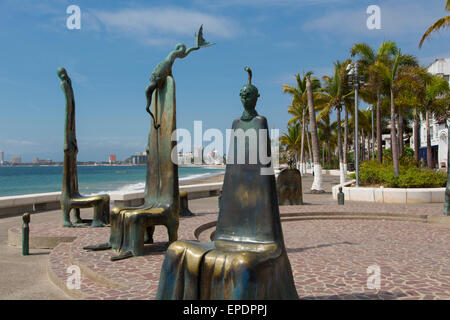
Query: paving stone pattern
x=329 y=258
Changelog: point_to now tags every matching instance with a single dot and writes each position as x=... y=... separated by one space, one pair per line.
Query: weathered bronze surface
x=164 y=69
x=70 y=196
x=289 y=187
x=184 y=207
x=26 y=234
x=447 y=190
x=134 y=226
x=341 y=197
x=247 y=259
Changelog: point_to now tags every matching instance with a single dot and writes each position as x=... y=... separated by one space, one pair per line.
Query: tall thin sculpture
x=70 y=196
x=132 y=227
x=247 y=259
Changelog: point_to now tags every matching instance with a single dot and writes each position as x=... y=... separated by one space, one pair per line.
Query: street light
x=373 y=135
x=355 y=80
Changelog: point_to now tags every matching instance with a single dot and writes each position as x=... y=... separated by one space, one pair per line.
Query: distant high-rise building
x=198 y=155
x=2 y=157
x=112 y=158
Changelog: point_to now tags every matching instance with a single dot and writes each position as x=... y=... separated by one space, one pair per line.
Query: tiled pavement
x=329 y=258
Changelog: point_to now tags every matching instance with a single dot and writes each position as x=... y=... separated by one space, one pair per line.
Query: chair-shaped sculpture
x=247 y=259
x=184 y=205
x=70 y=196
x=131 y=228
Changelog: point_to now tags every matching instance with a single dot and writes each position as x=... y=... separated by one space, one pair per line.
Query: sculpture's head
x=62 y=74
x=180 y=49
x=249 y=93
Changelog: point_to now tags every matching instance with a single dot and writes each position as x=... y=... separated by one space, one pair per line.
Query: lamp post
x=355 y=79
x=373 y=135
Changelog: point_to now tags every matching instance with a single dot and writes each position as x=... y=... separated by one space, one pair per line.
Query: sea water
x=18 y=180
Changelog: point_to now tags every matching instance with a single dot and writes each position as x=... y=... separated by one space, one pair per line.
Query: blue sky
x=112 y=56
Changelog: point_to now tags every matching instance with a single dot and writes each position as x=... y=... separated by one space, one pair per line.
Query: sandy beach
x=211 y=179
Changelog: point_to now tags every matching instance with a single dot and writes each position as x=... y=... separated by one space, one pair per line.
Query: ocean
x=19 y=180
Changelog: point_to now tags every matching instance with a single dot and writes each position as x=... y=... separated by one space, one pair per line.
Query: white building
x=185 y=158
x=213 y=157
x=2 y=157
x=438 y=130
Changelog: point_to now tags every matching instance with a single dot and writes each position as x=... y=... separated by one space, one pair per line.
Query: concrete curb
x=391 y=195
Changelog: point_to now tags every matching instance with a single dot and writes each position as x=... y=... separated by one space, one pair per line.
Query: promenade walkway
x=330 y=248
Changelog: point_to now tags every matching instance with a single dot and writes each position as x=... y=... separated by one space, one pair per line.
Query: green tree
x=290 y=140
x=334 y=91
x=368 y=58
x=317 y=183
x=411 y=87
x=441 y=23
x=437 y=100
x=389 y=70
x=299 y=108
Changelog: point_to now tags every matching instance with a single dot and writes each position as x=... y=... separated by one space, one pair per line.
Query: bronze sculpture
x=164 y=69
x=70 y=196
x=132 y=227
x=184 y=206
x=247 y=259
x=341 y=197
x=289 y=186
x=26 y=234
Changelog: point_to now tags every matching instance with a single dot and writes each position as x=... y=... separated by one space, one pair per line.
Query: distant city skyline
x=112 y=56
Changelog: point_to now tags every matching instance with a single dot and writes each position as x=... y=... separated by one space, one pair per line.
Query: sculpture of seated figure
x=247 y=259
x=70 y=196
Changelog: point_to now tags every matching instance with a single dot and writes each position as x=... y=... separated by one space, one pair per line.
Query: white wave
x=140 y=186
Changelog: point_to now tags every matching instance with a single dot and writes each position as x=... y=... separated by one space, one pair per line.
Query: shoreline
x=215 y=178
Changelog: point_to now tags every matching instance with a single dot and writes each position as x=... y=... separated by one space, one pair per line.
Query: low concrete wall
x=38 y=202
x=195 y=191
x=391 y=195
x=334 y=172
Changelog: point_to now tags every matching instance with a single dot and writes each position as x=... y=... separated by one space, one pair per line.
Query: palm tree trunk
x=400 y=133
x=416 y=137
x=317 y=183
x=394 y=140
x=345 y=139
x=429 y=157
x=302 y=152
x=311 y=159
x=379 y=141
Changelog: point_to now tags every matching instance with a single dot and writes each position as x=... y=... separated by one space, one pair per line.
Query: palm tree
x=389 y=71
x=299 y=109
x=441 y=23
x=317 y=183
x=335 y=91
x=437 y=100
x=411 y=87
x=290 y=139
x=367 y=60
